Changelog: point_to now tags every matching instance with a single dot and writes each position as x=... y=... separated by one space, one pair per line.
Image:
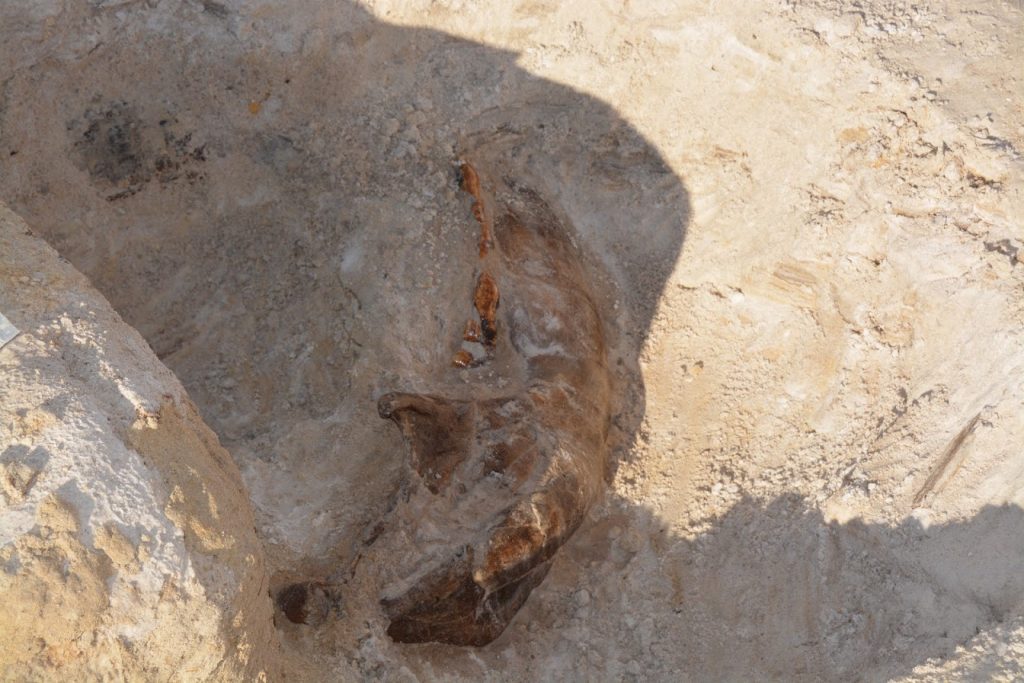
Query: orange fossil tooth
x=469 y=181
x=471 y=332
x=462 y=359
x=478 y=211
x=485 y=238
x=485 y=300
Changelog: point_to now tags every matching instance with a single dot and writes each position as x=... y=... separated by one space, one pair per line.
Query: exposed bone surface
x=798 y=223
x=538 y=455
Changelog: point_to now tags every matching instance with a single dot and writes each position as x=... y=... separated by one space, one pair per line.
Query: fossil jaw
x=539 y=454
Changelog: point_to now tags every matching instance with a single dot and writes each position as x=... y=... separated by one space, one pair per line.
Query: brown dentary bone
x=512 y=476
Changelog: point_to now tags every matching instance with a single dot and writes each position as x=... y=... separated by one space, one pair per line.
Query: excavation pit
x=289 y=231
x=814 y=410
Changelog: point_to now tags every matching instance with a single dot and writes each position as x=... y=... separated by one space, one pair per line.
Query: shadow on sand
x=772 y=591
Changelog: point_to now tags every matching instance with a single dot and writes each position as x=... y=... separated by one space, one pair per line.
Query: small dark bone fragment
x=469 y=180
x=513 y=476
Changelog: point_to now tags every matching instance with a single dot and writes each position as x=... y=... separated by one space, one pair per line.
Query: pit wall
x=126 y=537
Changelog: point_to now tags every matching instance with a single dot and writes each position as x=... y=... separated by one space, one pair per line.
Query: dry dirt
x=805 y=228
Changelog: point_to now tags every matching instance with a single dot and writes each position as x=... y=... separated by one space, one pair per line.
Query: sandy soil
x=804 y=221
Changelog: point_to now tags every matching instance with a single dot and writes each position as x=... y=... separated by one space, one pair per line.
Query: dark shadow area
x=774 y=591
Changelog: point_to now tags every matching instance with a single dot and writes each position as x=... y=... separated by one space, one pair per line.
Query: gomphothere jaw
x=509 y=453
x=512 y=465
